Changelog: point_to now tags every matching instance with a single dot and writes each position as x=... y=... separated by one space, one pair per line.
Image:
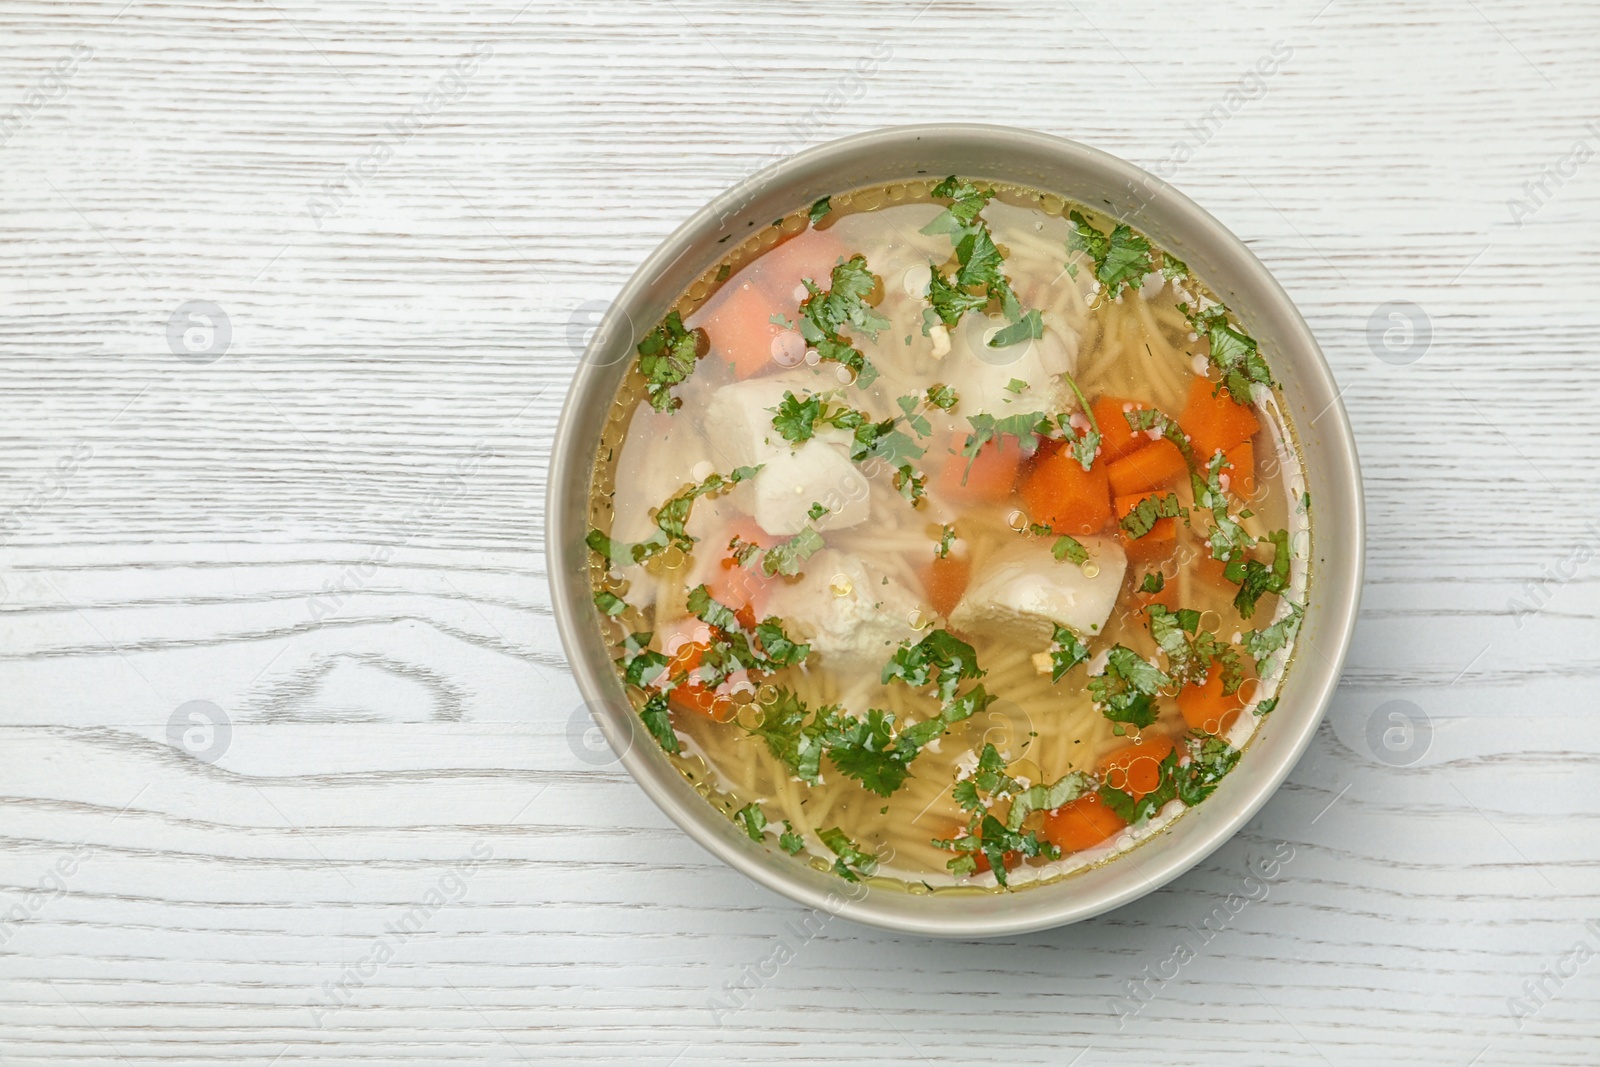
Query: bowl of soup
x=955 y=528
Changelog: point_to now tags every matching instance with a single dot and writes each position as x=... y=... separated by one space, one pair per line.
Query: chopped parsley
x=816 y=511
x=1147 y=512
x=852 y=863
x=1172 y=266
x=1263 y=643
x=1016 y=385
x=659 y=722
x=610 y=603
x=670 y=521
x=1153 y=582
x=1121 y=259
x=753 y=820
x=1069 y=547
x=988 y=786
x=790 y=841
x=667 y=356
x=940 y=659
x=820 y=209
x=1191 y=652
x=1126 y=691
x=1026 y=427
x=942 y=396
x=1189 y=773
x=1232 y=352
x=765 y=648
x=1255 y=578
x=979 y=277
x=947 y=537
x=1066 y=652
x=824 y=313
x=785 y=557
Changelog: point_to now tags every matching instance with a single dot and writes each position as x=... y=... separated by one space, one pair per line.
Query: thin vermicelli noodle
x=881 y=520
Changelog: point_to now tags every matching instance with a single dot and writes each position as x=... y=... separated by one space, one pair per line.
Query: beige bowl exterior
x=1116 y=188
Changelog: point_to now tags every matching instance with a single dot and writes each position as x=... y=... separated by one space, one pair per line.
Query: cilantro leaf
x=942 y=396
x=610 y=603
x=1029 y=327
x=1121 y=259
x=1147 y=512
x=941 y=657
x=790 y=841
x=845 y=304
x=753 y=820
x=659 y=722
x=852 y=863
x=785 y=557
x=947 y=536
x=670 y=520
x=820 y=209
x=1255 y=578
x=1153 y=582
x=667 y=356
x=1263 y=643
x=1069 y=547
x=1232 y=352
x=1127 y=689
x=1067 y=653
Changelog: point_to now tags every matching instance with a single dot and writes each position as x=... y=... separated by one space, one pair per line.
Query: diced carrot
x=1067 y=498
x=1084 y=823
x=1214 y=422
x=744 y=589
x=740 y=327
x=1210 y=568
x=808 y=254
x=1117 y=438
x=1136 y=769
x=1241 y=470
x=1204 y=706
x=1158 y=543
x=945 y=580
x=1152 y=467
x=991 y=477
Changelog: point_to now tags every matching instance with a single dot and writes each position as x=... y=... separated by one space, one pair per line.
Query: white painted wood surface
x=380 y=422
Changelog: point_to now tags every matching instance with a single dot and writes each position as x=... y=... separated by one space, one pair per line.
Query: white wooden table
x=381 y=838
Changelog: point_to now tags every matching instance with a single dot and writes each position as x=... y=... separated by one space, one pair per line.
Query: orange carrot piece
x=1084 y=823
x=741 y=331
x=1158 y=543
x=1117 y=438
x=1214 y=422
x=808 y=254
x=945 y=580
x=991 y=477
x=1152 y=467
x=1136 y=769
x=1011 y=859
x=744 y=589
x=1067 y=498
x=1241 y=470
x=1204 y=706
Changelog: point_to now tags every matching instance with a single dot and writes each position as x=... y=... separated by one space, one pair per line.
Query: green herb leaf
x=785 y=557
x=1120 y=260
x=1067 y=652
x=824 y=313
x=1153 y=582
x=1147 y=512
x=820 y=209
x=609 y=603
x=1255 y=578
x=939 y=656
x=790 y=841
x=1263 y=643
x=1070 y=548
x=852 y=864
x=942 y=396
x=1126 y=691
x=947 y=537
x=753 y=820
x=659 y=722
x=667 y=356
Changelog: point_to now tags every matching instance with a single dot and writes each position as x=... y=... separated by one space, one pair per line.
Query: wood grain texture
x=333 y=534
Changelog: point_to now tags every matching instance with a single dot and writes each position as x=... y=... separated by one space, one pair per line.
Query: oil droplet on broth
x=1091 y=569
x=1017 y=521
x=768 y=694
x=672 y=558
x=841 y=585
x=1210 y=620
x=918 y=620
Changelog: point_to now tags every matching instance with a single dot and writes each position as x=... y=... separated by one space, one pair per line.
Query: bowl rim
x=1334 y=606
